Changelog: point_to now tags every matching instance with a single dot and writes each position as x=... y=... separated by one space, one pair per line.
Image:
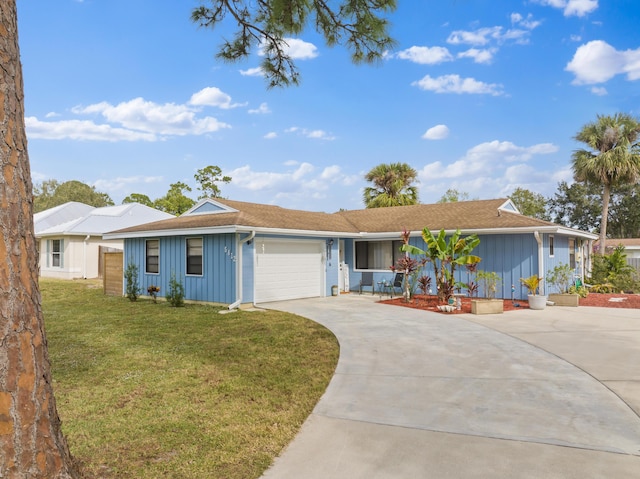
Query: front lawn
x=145 y=390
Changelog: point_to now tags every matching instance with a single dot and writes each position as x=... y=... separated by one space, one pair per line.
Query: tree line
x=52 y=193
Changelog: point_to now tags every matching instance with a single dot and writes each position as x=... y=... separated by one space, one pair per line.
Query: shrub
x=612 y=269
x=561 y=277
x=580 y=290
x=488 y=281
x=131 y=280
x=175 y=295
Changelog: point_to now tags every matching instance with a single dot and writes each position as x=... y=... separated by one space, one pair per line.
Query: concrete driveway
x=525 y=394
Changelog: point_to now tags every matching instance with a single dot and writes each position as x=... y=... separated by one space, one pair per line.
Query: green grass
x=145 y=390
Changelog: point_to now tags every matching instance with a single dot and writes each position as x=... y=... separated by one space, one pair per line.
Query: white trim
x=223 y=208
x=563 y=230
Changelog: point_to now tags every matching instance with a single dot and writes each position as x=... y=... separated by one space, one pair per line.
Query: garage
x=288 y=269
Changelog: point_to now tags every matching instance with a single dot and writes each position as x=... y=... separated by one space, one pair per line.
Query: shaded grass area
x=145 y=390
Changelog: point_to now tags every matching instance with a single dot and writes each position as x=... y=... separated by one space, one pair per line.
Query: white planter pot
x=537 y=301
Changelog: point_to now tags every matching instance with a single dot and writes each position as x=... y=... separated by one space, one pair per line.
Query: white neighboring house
x=631 y=246
x=69 y=236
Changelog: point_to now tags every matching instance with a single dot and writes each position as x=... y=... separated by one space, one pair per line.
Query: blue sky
x=482 y=96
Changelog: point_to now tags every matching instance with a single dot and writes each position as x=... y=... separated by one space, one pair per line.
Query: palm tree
x=392 y=186
x=614 y=158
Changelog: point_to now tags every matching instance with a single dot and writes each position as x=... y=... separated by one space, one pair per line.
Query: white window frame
x=378 y=252
x=58 y=254
x=552 y=247
x=146 y=256
x=187 y=256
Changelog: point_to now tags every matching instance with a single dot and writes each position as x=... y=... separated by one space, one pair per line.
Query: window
x=152 y=262
x=378 y=255
x=57 y=252
x=551 y=246
x=572 y=253
x=194 y=256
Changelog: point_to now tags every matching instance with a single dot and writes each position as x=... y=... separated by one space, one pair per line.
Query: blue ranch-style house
x=237 y=253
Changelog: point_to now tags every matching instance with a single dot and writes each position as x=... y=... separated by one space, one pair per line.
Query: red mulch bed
x=430 y=303
x=631 y=301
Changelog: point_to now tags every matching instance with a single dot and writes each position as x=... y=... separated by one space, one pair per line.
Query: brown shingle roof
x=463 y=215
x=253 y=215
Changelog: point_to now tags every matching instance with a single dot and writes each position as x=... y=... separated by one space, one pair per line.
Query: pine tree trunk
x=31 y=440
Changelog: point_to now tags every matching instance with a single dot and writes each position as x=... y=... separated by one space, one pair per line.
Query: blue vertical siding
x=512 y=256
x=217 y=282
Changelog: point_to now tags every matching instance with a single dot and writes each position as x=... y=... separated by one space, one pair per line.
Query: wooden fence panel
x=113 y=277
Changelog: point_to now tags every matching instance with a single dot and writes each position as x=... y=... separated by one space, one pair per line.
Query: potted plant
x=488 y=282
x=561 y=279
x=532 y=283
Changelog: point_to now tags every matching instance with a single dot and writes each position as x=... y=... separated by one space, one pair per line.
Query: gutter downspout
x=536 y=235
x=84 y=257
x=238 y=300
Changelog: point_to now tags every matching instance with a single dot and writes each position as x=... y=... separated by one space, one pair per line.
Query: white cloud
x=212 y=96
x=598 y=62
x=456 y=84
x=294 y=47
x=314 y=134
x=485 y=157
x=578 y=8
x=301 y=180
x=482 y=36
x=271 y=135
x=600 y=91
x=136 y=120
x=252 y=72
x=497 y=167
x=146 y=116
x=438 y=132
x=426 y=55
x=478 y=56
x=529 y=23
x=261 y=110
x=300 y=50
x=82 y=130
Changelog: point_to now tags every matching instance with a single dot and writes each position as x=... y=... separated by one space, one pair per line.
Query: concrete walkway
x=525 y=394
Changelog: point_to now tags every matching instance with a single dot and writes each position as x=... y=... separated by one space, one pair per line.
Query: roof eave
x=494 y=231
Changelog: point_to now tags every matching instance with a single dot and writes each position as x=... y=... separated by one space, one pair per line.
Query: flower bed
x=430 y=303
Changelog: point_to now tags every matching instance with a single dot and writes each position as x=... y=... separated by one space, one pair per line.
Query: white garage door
x=288 y=270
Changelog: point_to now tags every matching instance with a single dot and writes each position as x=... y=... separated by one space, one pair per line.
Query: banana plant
x=446 y=256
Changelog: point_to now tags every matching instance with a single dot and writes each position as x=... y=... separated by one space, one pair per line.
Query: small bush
x=175 y=296
x=561 y=277
x=488 y=282
x=580 y=290
x=131 y=280
x=604 y=288
x=612 y=269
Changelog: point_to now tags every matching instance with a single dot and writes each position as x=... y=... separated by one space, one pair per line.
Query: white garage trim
x=288 y=269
